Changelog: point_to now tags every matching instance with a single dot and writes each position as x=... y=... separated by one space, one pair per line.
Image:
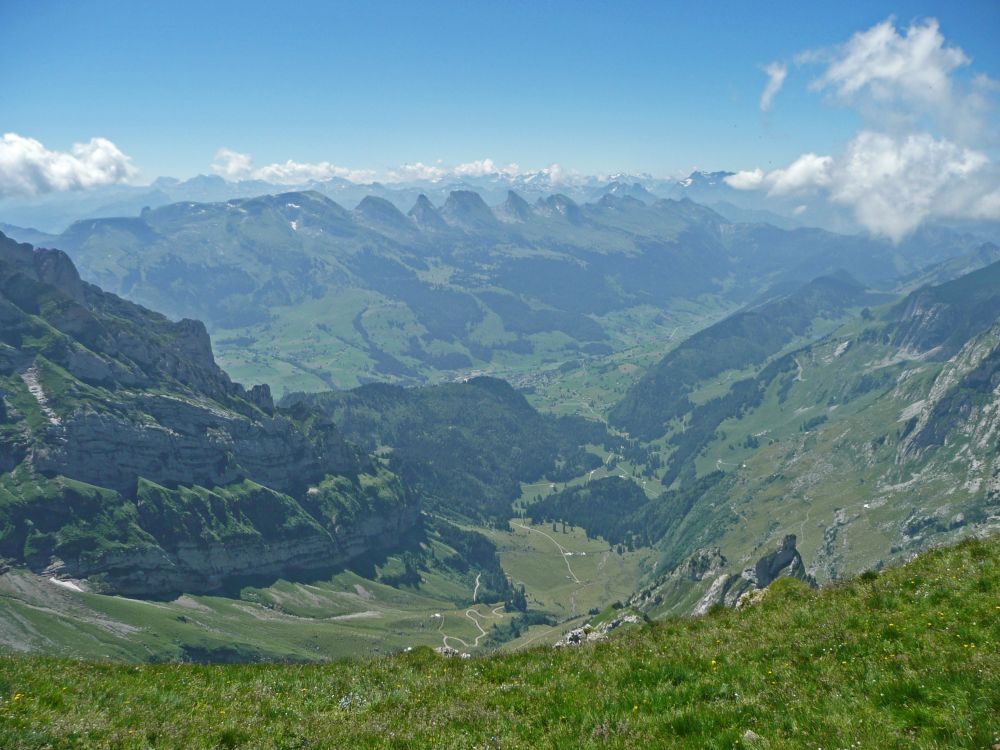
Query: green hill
x=466 y=447
x=868 y=444
x=909 y=658
x=747 y=339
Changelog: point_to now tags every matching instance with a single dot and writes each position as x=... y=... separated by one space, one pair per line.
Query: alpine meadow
x=499 y=376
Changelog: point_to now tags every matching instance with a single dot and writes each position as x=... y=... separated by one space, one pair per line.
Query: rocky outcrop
x=205 y=567
x=50 y=267
x=728 y=589
x=937 y=321
x=588 y=634
x=176 y=440
x=704 y=563
x=675 y=585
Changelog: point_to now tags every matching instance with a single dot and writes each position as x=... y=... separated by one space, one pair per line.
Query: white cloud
x=482 y=167
x=556 y=173
x=776 y=74
x=920 y=154
x=806 y=172
x=889 y=65
x=899 y=79
x=235 y=166
x=892 y=183
x=298 y=173
x=745 y=180
x=985 y=206
x=232 y=165
x=417 y=171
x=28 y=168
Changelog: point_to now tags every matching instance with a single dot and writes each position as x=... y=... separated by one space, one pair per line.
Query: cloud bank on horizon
x=919 y=154
x=235 y=166
x=28 y=168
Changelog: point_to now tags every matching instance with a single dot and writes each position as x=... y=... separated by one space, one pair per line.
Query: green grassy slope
x=348 y=614
x=904 y=659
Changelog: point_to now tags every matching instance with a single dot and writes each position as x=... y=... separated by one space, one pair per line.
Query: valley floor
x=907 y=658
x=347 y=615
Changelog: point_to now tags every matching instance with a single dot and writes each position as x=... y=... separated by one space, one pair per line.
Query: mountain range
x=809 y=422
x=304 y=294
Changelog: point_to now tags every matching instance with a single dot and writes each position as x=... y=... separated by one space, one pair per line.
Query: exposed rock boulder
x=588 y=634
x=704 y=563
x=731 y=590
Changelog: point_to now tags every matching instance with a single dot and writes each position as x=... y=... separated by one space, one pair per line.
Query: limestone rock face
x=100 y=391
x=49 y=267
x=199 y=567
x=702 y=564
x=729 y=589
x=181 y=441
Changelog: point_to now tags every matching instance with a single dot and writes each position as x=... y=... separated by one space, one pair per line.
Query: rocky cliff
x=729 y=589
x=685 y=586
x=127 y=456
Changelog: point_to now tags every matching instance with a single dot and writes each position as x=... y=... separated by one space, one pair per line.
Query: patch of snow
x=30 y=378
x=66 y=585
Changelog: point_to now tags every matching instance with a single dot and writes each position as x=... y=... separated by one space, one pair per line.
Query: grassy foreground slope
x=907 y=658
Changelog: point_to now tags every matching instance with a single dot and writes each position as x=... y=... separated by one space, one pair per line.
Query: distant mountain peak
x=634 y=190
x=425 y=215
x=704 y=179
x=467 y=209
x=561 y=205
x=379 y=213
x=516 y=208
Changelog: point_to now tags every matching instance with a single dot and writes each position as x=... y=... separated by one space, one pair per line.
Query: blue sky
x=596 y=87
